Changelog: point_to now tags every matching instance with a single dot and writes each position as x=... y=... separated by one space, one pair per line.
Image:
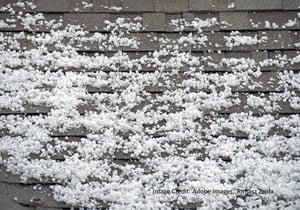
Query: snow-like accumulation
x=235 y=39
x=182 y=127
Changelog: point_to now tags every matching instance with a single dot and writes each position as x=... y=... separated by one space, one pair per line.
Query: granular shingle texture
x=149 y=104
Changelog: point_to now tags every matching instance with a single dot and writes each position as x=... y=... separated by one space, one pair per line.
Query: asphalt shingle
x=258 y=4
x=138 y=5
x=234 y=20
x=171 y=5
x=154 y=21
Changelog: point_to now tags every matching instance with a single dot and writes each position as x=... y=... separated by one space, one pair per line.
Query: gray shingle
x=105 y=5
x=171 y=5
x=154 y=21
x=10 y=41
x=79 y=6
x=237 y=55
x=291 y=4
x=257 y=4
x=188 y=16
x=204 y=16
x=16 y=26
x=236 y=20
x=276 y=40
x=138 y=5
x=172 y=41
x=12 y=3
x=168 y=20
x=273 y=20
x=222 y=5
x=203 y=5
x=53 y=5
x=90 y=21
x=260 y=56
x=296 y=39
x=50 y=17
x=278 y=53
x=215 y=42
x=146 y=40
x=241 y=46
x=209 y=58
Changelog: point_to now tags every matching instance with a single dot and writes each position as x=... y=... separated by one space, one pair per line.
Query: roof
x=149 y=104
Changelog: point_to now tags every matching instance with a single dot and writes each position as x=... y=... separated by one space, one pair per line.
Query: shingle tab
x=274 y=20
x=259 y=55
x=30 y=5
x=296 y=39
x=243 y=45
x=188 y=17
x=291 y=4
x=154 y=21
x=171 y=42
x=146 y=42
x=257 y=4
x=169 y=18
x=203 y=5
x=224 y=5
x=81 y=6
x=236 y=20
x=90 y=21
x=276 y=40
x=290 y=54
x=171 y=5
x=105 y=5
x=205 y=16
x=16 y=26
x=53 y=6
x=215 y=41
x=138 y=5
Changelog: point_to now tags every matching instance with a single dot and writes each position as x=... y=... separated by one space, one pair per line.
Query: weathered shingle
x=81 y=6
x=215 y=41
x=290 y=54
x=259 y=56
x=171 y=5
x=53 y=6
x=208 y=16
x=257 y=4
x=146 y=42
x=30 y=6
x=138 y=5
x=90 y=21
x=240 y=43
x=224 y=5
x=291 y=4
x=196 y=5
x=273 y=20
x=296 y=39
x=234 y=20
x=154 y=21
x=171 y=42
x=169 y=18
x=14 y=26
x=64 y=6
x=276 y=40
x=105 y=5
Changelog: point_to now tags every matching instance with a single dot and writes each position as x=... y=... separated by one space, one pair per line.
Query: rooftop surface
x=149 y=104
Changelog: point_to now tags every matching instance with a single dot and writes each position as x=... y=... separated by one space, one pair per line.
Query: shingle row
x=168 y=6
x=160 y=22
